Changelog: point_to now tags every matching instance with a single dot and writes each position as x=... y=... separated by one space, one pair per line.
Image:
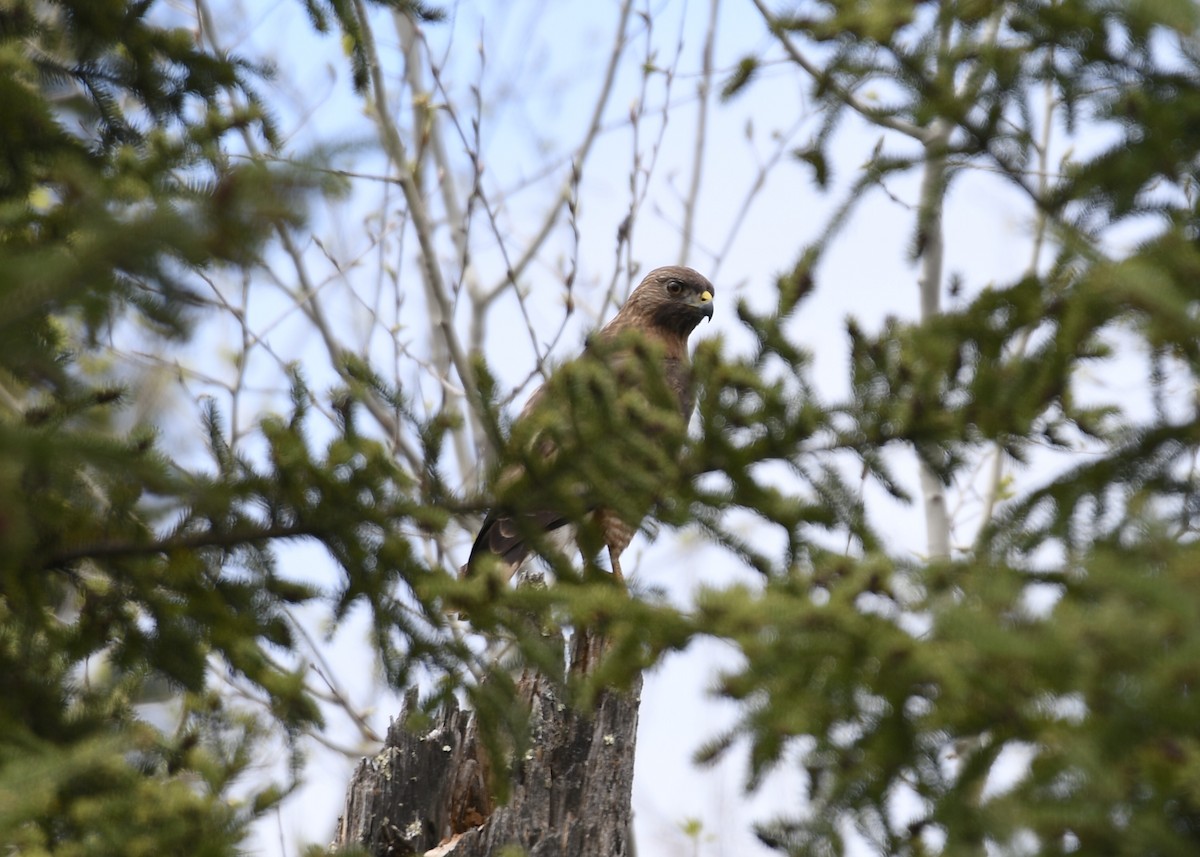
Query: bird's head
x=673 y=299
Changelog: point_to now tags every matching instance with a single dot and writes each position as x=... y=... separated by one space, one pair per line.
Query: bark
x=429 y=794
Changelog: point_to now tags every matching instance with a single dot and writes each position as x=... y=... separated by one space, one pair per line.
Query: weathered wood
x=428 y=794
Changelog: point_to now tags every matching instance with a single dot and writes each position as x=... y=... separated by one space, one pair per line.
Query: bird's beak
x=704 y=302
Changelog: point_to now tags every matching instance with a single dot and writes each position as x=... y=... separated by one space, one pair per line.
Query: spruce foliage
x=1060 y=633
x=126 y=580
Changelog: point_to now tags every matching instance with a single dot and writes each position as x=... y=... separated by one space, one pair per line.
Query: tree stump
x=571 y=792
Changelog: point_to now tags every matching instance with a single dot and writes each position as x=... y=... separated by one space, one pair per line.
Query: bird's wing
x=504 y=537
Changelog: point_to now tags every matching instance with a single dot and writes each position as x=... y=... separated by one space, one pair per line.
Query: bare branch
x=1041 y=229
x=703 y=88
x=585 y=146
x=437 y=291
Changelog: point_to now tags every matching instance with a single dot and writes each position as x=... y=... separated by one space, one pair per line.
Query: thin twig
x=996 y=474
x=756 y=186
x=703 y=88
x=310 y=306
x=824 y=78
x=585 y=146
x=325 y=672
x=642 y=167
x=428 y=121
x=437 y=290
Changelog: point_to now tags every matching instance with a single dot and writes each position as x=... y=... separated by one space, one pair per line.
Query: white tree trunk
x=932 y=250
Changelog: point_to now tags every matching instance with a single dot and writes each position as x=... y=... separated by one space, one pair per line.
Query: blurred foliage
x=1065 y=632
x=1068 y=629
x=128 y=583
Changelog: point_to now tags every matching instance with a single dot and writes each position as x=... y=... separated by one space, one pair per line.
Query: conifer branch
x=228 y=539
x=824 y=78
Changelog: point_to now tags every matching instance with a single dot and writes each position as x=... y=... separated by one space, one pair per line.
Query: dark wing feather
x=501 y=536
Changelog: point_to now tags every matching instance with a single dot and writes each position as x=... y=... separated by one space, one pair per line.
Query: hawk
x=608 y=425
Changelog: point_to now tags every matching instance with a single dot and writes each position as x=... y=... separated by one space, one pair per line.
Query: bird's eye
x=674 y=287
